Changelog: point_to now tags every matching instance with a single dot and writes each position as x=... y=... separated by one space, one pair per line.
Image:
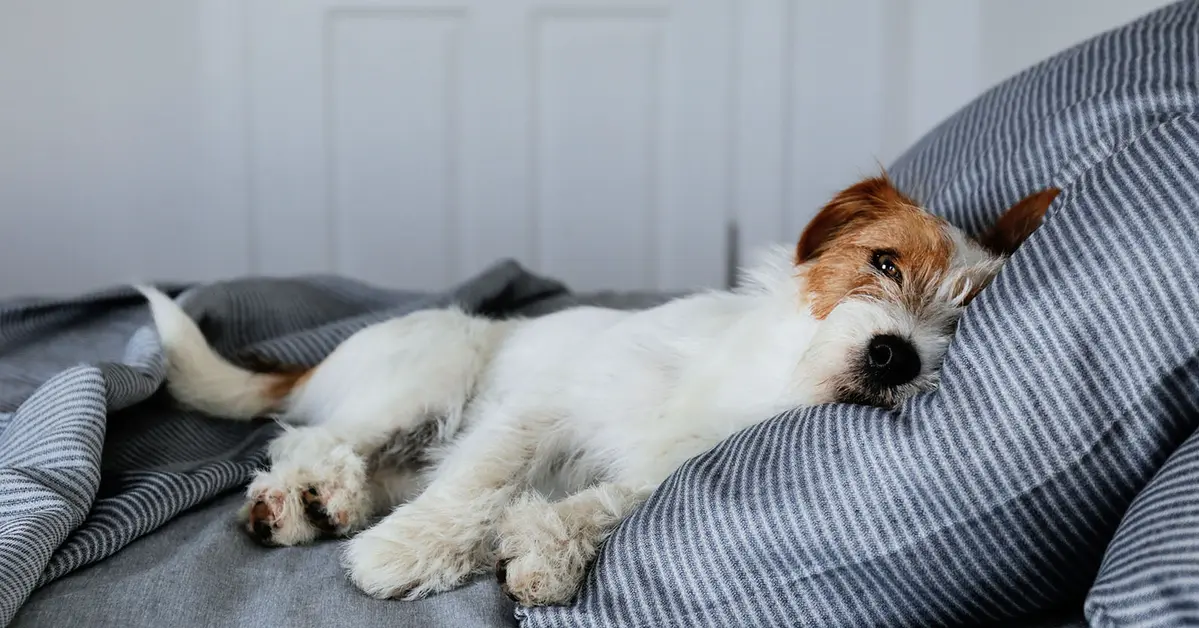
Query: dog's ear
x=1018 y=222
x=862 y=201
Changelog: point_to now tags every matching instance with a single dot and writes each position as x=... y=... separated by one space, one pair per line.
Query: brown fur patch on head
x=1018 y=222
x=861 y=202
x=870 y=218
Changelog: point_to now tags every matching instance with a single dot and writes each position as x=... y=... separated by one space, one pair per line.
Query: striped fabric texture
x=93 y=456
x=1150 y=575
x=1071 y=381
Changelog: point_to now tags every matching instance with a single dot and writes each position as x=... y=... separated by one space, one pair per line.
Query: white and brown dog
x=449 y=421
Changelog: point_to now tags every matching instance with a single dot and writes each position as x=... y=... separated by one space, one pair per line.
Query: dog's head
x=887 y=282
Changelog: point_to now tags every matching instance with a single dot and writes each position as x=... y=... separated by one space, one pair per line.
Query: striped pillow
x=1072 y=378
x=1150 y=575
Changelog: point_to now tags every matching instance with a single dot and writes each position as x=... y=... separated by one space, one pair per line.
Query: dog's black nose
x=892 y=360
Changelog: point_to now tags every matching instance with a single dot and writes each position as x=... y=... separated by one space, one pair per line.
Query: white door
x=414 y=143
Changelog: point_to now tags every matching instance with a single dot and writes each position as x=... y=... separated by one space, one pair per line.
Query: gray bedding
x=117 y=507
x=201 y=570
x=189 y=565
x=196 y=568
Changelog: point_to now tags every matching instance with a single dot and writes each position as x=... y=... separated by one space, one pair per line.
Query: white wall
x=113 y=133
x=411 y=142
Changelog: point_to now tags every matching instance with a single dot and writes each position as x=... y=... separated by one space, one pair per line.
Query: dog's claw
x=501 y=570
x=501 y=576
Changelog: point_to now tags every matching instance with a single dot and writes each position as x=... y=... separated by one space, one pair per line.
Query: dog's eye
x=884 y=262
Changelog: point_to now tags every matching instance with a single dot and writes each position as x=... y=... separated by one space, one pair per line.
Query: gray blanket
x=94 y=455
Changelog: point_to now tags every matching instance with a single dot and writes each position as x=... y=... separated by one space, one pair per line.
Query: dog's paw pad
x=262 y=520
x=329 y=522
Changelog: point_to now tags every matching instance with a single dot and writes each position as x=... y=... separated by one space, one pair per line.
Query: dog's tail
x=198 y=377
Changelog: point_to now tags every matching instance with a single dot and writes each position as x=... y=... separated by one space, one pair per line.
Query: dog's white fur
x=607 y=403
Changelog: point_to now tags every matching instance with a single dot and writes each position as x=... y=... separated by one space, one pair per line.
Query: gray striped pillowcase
x=1150 y=575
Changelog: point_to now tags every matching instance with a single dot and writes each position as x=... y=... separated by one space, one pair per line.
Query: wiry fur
x=604 y=403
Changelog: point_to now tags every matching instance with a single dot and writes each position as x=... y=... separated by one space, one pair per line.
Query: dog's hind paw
x=294 y=505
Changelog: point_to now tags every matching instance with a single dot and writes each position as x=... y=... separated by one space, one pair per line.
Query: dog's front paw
x=543 y=557
x=409 y=557
x=532 y=580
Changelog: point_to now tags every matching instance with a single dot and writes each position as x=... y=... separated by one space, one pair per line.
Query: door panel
x=412 y=145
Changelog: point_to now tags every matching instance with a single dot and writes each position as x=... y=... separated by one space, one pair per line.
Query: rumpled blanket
x=94 y=453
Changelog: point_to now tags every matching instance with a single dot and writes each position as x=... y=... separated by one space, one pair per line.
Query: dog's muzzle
x=891 y=361
x=886 y=364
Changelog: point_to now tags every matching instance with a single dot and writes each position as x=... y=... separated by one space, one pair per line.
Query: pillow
x=1150 y=575
x=1071 y=380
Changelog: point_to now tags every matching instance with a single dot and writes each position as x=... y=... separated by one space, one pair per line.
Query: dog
x=449 y=422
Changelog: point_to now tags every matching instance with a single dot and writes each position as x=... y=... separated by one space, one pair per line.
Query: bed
x=178 y=475
x=175 y=477
x=191 y=565
x=1049 y=482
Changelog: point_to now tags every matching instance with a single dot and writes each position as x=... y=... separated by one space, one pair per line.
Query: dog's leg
x=434 y=542
x=545 y=547
x=324 y=482
x=382 y=398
